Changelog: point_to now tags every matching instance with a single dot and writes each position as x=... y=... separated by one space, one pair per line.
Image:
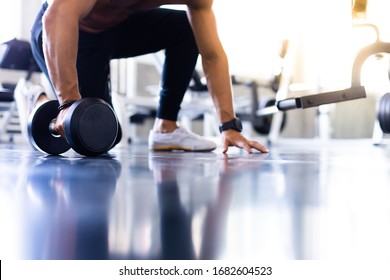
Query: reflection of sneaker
x=180 y=139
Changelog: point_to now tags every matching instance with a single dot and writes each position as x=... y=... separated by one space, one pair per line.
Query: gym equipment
x=91 y=128
x=383 y=109
x=39 y=133
x=356 y=90
x=17 y=55
x=262 y=123
x=384 y=113
x=14 y=55
x=315 y=100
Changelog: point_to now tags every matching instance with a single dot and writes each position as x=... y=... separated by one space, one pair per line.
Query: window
x=9 y=19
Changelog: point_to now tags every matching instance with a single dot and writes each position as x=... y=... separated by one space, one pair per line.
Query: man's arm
x=60 y=43
x=214 y=59
x=216 y=70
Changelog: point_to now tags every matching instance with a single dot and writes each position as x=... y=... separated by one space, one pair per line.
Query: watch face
x=233 y=124
x=238 y=124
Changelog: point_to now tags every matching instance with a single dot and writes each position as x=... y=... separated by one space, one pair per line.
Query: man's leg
x=169 y=30
x=162 y=29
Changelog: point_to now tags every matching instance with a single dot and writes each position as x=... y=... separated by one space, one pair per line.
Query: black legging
x=142 y=33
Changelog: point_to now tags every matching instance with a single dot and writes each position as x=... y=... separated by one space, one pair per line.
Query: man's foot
x=180 y=139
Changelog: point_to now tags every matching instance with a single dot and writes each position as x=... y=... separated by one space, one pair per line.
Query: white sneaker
x=180 y=139
x=34 y=92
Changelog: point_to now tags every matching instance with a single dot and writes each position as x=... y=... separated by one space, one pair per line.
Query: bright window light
x=9 y=18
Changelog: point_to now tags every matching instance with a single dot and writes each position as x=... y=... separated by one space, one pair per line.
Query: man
x=73 y=42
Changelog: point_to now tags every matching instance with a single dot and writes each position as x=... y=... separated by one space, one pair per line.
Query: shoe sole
x=173 y=148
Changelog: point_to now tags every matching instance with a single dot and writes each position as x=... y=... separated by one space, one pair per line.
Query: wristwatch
x=233 y=124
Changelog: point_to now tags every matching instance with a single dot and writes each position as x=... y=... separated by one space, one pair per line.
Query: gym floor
x=304 y=200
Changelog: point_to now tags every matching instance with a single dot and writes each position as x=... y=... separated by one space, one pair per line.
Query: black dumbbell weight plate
x=39 y=133
x=91 y=126
x=384 y=113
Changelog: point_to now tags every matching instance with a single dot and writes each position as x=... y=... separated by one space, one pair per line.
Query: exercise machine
x=15 y=55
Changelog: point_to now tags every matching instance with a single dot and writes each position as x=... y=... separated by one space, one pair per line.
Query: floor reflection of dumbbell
x=91 y=127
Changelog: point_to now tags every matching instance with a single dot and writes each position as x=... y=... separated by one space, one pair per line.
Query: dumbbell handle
x=52 y=129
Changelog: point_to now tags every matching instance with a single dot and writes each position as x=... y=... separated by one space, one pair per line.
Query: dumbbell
x=90 y=125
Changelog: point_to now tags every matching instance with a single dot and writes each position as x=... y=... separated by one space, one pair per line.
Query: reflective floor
x=304 y=200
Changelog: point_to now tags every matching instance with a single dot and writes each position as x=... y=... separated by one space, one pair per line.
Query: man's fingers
x=225 y=147
x=258 y=146
x=243 y=143
x=247 y=147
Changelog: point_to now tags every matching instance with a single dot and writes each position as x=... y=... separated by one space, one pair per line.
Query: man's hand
x=59 y=125
x=234 y=138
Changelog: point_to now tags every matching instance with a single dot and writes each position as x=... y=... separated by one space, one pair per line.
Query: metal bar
x=287 y=104
x=322 y=98
x=332 y=97
x=267 y=111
